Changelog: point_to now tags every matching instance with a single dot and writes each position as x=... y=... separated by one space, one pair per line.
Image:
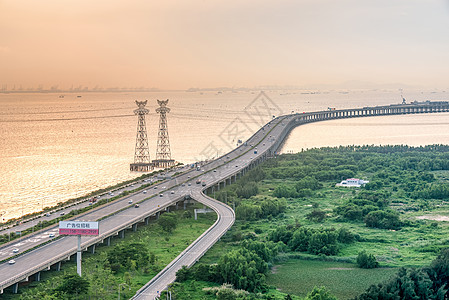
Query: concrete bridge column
x=92 y=249
x=121 y=234
x=15 y=288
x=108 y=241
x=58 y=266
x=134 y=227
x=157 y=215
x=147 y=219
x=37 y=276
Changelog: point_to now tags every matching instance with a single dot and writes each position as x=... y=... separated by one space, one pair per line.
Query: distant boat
x=78 y=96
x=61 y=96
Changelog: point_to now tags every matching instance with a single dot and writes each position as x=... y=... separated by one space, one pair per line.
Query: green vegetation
x=366 y=261
x=127 y=264
x=292 y=202
x=409 y=283
x=343 y=280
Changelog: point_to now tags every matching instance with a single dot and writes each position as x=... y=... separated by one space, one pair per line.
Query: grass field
x=343 y=280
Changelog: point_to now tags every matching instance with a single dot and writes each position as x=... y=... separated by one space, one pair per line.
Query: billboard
x=78 y=228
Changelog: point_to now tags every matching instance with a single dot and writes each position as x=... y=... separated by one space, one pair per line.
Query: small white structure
x=352 y=182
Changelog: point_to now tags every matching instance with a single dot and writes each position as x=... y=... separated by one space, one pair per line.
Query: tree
x=242 y=268
x=366 y=261
x=168 y=222
x=73 y=284
x=129 y=255
x=383 y=219
x=320 y=293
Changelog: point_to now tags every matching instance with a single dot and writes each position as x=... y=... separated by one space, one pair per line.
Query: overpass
x=216 y=174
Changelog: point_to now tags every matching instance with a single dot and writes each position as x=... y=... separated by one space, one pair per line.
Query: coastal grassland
x=397 y=217
x=343 y=280
x=161 y=246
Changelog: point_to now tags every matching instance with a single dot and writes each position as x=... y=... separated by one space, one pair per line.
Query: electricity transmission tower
x=163 y=155
x=142 y=153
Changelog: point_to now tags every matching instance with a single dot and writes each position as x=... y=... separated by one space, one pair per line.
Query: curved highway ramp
x=195 y=251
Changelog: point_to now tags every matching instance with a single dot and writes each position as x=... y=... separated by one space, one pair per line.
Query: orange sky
x=199 y=43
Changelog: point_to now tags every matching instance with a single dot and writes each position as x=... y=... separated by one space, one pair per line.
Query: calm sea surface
x=53 y=149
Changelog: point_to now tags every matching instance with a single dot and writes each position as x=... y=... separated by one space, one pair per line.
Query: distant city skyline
x=172 y=45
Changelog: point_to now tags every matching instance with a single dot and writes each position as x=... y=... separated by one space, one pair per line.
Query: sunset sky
x=241 y=43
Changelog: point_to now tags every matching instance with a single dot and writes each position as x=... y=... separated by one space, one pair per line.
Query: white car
x=130 y=201
x=15 y=250
x=51 y=235
x=11 y=262
x=144 y=192
x=172 y=192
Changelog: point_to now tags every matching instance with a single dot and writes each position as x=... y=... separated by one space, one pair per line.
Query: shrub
x=366 y=261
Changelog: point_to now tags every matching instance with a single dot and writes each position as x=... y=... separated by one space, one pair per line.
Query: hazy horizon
x=171 y=45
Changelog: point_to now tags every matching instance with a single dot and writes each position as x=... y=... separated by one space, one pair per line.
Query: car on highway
x=136 y=206
x=183 y=184
x=63 y=213
x=130 y=201
x=161 y=195
x=189 y=184
x=11 y=262
x=15 y=250
x=51 y=235
x=172 y=192
x=155 y=187
x=144 y=192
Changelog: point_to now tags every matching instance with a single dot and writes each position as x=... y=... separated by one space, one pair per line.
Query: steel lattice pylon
x=163 y=155
x=142 y=153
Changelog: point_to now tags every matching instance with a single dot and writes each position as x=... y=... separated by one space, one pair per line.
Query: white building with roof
x=352 y=182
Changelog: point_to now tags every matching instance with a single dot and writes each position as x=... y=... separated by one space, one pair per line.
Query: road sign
x=78 y=228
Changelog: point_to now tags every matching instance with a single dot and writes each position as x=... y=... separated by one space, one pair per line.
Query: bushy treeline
x=244 y=268
x=260 y=209
x=315 y=241
x=372 y=208
x=430 y=283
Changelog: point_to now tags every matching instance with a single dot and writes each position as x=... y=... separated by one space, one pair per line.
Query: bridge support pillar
x=121 y=234
x=157 y=215
x=92 y=249
x=176 y=205
x=147 y=220
x=37 y=276
x=15 y=288
x=134 y=227
x=108 y=241
x=58 y=266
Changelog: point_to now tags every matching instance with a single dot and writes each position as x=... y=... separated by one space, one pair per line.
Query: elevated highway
x=218 y=173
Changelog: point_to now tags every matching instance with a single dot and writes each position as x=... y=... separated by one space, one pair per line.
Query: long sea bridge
x=117 y=217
